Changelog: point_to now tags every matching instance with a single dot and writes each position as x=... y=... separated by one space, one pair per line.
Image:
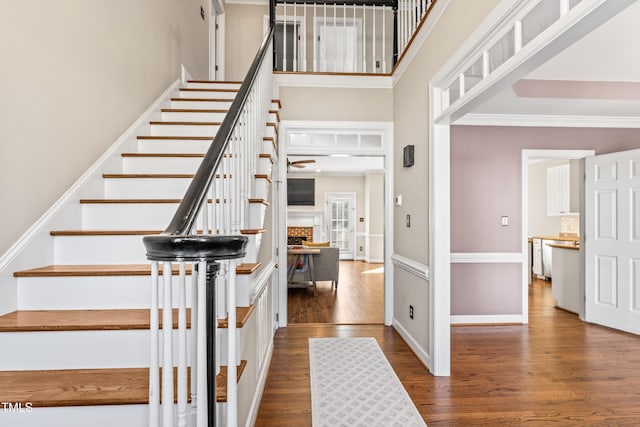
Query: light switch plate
x=505 y=221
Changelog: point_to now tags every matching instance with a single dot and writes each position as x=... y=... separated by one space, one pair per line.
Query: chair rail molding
x=414 y=267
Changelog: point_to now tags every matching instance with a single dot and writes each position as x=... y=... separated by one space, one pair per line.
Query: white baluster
x=167 y=353
x=344 y=31
x=364 y=38
x=324 y=42
x=335 y=40
x=202 y=410
x=384 y=40
x=354 y=57
x=182 y=346
x=154 y=367
x=232 y=383
x=304 y=37
x=373 y=36
x=315 y=40
x=194 y=340
x=295 y=38
x=284 y=37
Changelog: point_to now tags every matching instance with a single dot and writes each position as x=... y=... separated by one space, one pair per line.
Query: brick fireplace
x=295 y=235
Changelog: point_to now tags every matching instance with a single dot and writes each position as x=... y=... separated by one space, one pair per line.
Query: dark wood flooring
x=556 y=370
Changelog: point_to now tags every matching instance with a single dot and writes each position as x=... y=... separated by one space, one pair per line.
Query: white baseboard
x=262 y=381
x=487 y=319
x=35 y=247
x=420 y=352
x=375 y=260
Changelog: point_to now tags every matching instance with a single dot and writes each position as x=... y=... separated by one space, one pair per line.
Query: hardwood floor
x=556 y=370
x=358 y=299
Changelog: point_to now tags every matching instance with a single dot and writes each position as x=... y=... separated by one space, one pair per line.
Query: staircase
x=76 y=351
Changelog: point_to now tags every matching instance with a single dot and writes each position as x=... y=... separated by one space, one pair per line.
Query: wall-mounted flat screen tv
x=301 y=191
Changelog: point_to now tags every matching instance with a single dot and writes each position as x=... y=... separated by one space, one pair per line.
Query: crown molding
x=523 y=120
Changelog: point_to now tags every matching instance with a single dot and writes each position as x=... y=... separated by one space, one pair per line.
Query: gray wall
x=74 y=76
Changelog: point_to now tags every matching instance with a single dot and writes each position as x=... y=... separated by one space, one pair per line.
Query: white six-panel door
x=612 y=241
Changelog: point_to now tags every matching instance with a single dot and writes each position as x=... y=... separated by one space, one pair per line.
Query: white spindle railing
x=347 y=37
x=224 y=211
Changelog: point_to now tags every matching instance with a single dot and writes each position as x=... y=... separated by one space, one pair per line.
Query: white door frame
x=559 y=154
x=585 y=17
x=387 y=132
x=217 y=41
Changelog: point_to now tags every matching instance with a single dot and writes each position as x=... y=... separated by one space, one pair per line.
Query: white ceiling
x=606 y=54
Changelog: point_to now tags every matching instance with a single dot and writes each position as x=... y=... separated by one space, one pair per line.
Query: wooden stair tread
x=203 y=99
x=181 y=138
x=277 y=113
x=277 y=101
x=197 y=89
x=191 y=110
x=247 y=268
x=79 y=320
x=92 y=270
x=89 y=387
x=104 y=232
x=147 y=175
x=273 y=141
x=236 y=82
x=163 y=155
x=97 y=320
x=259 y=202
x=267 y=156
x=263 y=176
x=185 y=123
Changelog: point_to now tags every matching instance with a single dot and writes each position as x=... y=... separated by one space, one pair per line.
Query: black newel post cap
x=165 y=247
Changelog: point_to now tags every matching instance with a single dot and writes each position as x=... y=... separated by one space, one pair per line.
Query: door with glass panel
x=340 y=217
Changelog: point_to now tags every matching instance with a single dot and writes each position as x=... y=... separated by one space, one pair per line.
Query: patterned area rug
x=353 y=384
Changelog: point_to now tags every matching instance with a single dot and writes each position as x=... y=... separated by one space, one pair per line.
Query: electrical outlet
x=361 y=249
x=410 y=312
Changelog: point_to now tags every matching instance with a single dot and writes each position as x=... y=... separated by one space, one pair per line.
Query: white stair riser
x=80 y=416
x=174 y=116
x=261 y=188
x=268 y=148
x=161 y=164
x=138 y=188
x=183 y=130
x=204 y=105
x=264 y=166
x=79 y=349
x=222 y=347
x=213 y=85
x=253 y=248
x=207 y=94
x=173 y=146
x=127 y=216
x=91 y=292
x=245 y=284
x=256 y=215
x=98 y=250
x=272 y=118
x=271 y=131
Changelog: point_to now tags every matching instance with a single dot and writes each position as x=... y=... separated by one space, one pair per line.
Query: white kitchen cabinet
x=558 y=190
x=537 y=257
x=566 y=278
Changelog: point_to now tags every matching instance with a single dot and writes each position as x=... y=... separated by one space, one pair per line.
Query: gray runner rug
x=353 y=384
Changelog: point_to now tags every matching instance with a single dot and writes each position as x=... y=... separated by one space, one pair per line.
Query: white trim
x=64 y=212
x=435 y=14
x=347 y=81
x=484 y=319
x=548 y=121
x=414 y=267
x=262 y=381
x=413 y=344
x=486 y=257
x=185 y=75
x=388 y=144
x=585 y=16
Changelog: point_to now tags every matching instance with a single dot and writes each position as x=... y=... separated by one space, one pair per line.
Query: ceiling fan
x=299 y=164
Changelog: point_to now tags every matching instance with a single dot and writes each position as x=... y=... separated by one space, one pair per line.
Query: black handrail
x=187 y=211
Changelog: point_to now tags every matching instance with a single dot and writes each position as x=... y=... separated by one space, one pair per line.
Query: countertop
x=560 y=238
x=565 y=246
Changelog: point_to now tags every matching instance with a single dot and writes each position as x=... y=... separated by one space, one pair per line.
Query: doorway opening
x=547 y=210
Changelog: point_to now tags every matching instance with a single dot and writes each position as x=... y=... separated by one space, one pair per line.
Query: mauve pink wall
x=485 y=185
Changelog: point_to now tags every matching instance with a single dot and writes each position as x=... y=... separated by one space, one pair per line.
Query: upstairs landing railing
x=344 y=36
x=202 y=241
